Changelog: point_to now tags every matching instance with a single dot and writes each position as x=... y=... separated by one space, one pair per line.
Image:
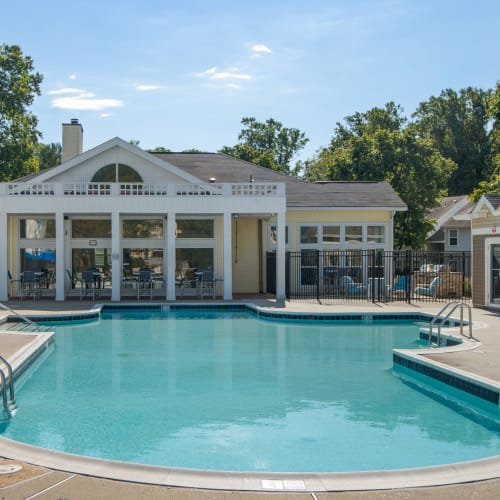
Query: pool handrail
x=455 y=304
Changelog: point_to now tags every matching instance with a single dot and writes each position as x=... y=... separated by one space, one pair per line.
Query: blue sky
x=183 y=74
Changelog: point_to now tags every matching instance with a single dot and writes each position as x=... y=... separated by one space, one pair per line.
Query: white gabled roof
x=46 y=175
x=488 y=203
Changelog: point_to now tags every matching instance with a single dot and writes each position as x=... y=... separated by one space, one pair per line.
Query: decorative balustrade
x=254 y=189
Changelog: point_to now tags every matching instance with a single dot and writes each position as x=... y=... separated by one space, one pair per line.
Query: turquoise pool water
x=228 y=391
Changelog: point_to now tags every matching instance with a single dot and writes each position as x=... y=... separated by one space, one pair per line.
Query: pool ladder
x=452 y=306
x=7 y=385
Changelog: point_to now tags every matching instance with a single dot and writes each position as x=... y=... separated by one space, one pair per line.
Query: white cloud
x=214 y=74
x=144 y=87
x=72 y=77
x=105 y=115
x=233 y=86
x=260 y=48
x=66 y=90
x=85 y=102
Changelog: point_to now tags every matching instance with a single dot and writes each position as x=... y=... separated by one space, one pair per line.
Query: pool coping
x=462 y=472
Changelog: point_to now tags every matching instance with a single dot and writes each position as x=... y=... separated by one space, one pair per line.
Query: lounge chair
x=400 y=287
x=431 y=289
x=351 y=288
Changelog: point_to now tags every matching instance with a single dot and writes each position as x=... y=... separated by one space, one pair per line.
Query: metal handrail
x=24 y=318
x=8 y=404
x=455 y=305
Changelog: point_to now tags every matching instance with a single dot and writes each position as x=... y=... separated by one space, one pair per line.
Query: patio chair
x=431 y=289
x=89 y=285
x=400 y=287
x=12 y=283
x=207 y=283
x=145 y=283
x=30 y=285
x=351 y=288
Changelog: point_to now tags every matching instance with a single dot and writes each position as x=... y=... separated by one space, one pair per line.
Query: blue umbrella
x=48 y=255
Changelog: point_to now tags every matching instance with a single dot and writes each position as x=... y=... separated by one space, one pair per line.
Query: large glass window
x=331 y=234
x=91 y=258
x=37 y=229
x=353 y=234
x=189 y=260
x=309 y=234
x=195 y=228
x=152 y=229
x=116 y=173
x=38 y=259
x=91 y=228
x=136 y=258
x=375 y=234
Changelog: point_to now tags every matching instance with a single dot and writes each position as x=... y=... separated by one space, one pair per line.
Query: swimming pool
x=225 y=390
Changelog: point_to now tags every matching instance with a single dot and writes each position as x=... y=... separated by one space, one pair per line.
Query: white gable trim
x=106 y=146
x=483 y=206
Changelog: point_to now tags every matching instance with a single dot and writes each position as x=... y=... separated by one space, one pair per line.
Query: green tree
x=269 y=144
x=458 y=124
x=49 y=155
x=377 y=146
x=492 y=185
x=19 y=85
x=159 y=149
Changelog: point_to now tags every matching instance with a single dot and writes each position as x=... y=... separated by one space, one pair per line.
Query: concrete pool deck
x=482 y=361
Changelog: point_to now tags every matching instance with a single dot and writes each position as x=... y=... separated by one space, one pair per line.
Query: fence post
x=409 y=275
x=317 y=275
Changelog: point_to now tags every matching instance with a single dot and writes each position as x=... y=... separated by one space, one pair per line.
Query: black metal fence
x=374 y=275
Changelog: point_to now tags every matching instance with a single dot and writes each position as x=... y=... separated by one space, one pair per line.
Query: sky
x=183 y=74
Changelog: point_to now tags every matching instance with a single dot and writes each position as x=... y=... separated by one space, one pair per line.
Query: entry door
x=495 y=273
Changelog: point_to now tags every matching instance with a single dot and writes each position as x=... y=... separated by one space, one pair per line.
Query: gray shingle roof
x=494 y=199
x=299 y=193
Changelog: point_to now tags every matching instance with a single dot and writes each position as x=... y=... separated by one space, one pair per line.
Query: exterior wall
x=478 y=272
x=86 y=170
x=463 y=243
x=484 y=232
x=296 y=218
x=245 y=256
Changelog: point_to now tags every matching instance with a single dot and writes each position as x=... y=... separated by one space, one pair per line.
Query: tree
x=19 y=85
x=159 y=149
x=49 y=155
x=458 y=124
x=492 y=185
x=269 y=144
x=377 y=146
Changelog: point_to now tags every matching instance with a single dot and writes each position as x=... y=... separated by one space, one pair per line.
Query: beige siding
x=245 y=256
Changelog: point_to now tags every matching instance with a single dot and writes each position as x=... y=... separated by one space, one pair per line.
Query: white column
x=280 y=255
x=4 y=285
x=227 y=256
x=169 y=275
x=60 y=257
x=116 y=260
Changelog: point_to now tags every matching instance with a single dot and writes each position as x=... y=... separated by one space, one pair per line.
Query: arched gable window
x=116 y=173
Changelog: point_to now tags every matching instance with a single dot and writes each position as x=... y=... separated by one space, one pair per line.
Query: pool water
x=226 y=390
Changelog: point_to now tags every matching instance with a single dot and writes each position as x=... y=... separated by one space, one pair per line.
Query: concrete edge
x=463 y=472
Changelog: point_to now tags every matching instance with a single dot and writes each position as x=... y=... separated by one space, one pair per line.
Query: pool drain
x=10 y=468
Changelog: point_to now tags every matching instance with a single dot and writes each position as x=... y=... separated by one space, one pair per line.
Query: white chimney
x=72 y=139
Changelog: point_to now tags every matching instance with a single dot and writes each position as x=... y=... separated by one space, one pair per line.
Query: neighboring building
x=486 y=252
x=451 y=232
x=119 y=208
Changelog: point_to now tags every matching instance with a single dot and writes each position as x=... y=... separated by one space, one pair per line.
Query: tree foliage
x=492 y=185
x=268 y=144
x=49 y=155
x=376 y=146
x=457 y=124
x=19 y=85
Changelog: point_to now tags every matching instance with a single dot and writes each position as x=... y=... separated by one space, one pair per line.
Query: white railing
x=254 y=189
